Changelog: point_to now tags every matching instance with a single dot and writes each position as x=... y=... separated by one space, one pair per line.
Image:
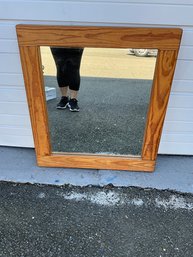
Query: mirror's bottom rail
x=96 y=162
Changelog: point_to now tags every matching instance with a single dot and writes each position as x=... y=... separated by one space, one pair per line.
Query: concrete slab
x=172 y=172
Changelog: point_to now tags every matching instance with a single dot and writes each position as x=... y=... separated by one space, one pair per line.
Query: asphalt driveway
x=51 y=221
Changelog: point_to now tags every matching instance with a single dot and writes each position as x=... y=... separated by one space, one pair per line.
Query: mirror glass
x=113 y=89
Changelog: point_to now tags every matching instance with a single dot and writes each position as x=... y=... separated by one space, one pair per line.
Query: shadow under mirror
x=113 y=96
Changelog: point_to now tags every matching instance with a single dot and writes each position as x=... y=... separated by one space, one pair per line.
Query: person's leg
x=60 y=61
x=73 y=90
x=73 y=94
x=63 y=103
x=74 y=78
x=64 y=91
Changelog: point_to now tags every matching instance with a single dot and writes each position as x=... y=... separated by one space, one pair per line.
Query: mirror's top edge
x=38 y=26
x=89 y=36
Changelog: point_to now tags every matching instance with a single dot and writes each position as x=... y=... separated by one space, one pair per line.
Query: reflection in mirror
x=113 y=96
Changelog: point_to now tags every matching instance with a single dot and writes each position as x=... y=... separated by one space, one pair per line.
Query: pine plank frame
x=166 y=40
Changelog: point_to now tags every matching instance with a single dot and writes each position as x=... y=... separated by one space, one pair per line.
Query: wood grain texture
x=97 y=162
x=167 y=41
x=31 y=65
x=161 y=38
x=163 y=76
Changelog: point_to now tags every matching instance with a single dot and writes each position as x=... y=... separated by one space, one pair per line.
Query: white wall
x=15 y=128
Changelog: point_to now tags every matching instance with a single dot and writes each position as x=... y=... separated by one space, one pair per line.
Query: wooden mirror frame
x=166 y=40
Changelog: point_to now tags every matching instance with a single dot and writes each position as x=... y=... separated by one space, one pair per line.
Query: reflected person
x=68 y=62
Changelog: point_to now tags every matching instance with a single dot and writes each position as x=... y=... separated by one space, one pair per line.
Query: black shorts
x=67 y=62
